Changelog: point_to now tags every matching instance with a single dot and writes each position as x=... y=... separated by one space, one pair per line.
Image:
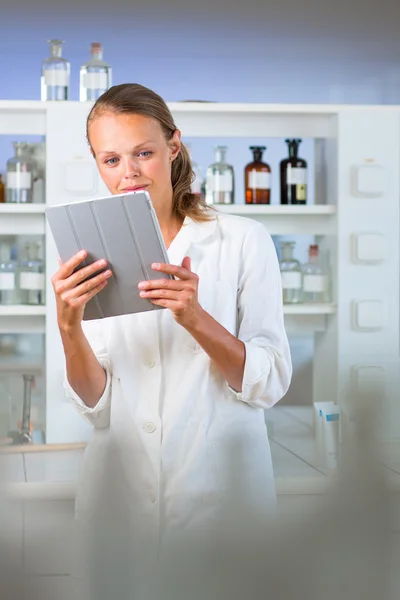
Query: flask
x=55 y=74
x=293 y=171
x=95 y=75
x=220 y=179
x=257 y=177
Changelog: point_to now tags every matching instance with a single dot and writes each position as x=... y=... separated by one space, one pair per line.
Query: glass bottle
x=38 y=155
x=55 y=74
x=31 y=275
x=2 y=190
x=291 y=274
x=95 y=75
x=315 y=278
x=7 y=276
x=19 y=175
x=257 y=178
x=220 y=179
x=197 y=186
x=293 y=176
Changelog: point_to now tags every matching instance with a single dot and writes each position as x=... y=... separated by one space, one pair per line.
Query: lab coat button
x=149 y=362
x=152 y=496
x=149 y=427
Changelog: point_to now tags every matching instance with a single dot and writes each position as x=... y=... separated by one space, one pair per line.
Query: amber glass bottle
x=2 y=193
x=293 y=176
x=257 y=178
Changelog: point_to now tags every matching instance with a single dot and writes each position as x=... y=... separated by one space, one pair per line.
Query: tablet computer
x=125 y=231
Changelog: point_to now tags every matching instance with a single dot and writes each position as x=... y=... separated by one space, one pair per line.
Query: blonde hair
x=133 y=98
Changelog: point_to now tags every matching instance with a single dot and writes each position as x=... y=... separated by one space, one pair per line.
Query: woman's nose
x=131 y=169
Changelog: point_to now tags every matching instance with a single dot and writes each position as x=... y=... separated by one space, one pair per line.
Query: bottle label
x=95 y=81
x=296 y=175
x=314 y=283
x=220 y=182
x=259 y=180
x=291 y=280
x=31 y=281
x=7 y=281
x=301 y=192
x=56 y=77
x=19 y=180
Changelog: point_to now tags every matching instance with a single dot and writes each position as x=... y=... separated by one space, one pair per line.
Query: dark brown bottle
x=2 y=191
x=293 y=176
x=257 y=178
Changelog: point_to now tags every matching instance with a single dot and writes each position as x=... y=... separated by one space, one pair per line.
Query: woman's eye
x=145 y=153
x=110 y=161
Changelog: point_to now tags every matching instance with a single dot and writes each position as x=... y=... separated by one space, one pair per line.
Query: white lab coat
x=186 y=447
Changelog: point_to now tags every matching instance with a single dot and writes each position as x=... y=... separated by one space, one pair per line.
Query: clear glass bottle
x=8 y=288
x=293 y=176
x=315 y=278
x=220 y=179
x=38 y=155
x=197 y=186
x=31 y=275
x=95 y=75
x=291 y=274
x=19 y=175
x=2 y=190
x=55 y=74
x=257 y=178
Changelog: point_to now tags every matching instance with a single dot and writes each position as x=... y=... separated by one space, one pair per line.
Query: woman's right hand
x=73 y=293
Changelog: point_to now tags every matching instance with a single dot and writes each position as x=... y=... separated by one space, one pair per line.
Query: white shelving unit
x=357 y=335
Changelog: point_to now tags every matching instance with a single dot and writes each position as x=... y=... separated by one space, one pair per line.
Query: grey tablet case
x=124 y=230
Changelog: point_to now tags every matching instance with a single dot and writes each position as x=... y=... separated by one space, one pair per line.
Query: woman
x=181 y=391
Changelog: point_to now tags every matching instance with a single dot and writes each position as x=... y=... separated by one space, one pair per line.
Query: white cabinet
x=346 y=140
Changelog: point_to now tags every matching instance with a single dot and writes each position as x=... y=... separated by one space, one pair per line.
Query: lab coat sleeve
x=99 y=415
x=268 y=366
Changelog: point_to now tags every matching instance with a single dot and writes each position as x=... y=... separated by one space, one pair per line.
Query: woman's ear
x=175 y=144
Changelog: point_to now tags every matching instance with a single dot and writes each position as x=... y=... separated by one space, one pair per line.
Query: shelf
x=317 y=219
x=21 y=310
x=22 y=117
x=22 y=219
x=278 y=209
x=18 y=364
x=25 y=209
x=309 y=309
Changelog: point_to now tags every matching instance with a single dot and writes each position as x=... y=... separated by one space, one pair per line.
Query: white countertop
x=53 y=474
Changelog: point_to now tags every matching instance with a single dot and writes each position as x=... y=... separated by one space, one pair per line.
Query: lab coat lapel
x=191 y=233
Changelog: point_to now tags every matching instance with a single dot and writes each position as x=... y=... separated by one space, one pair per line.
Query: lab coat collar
x=191 y=232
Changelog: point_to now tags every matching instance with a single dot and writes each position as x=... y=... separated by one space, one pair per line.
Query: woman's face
x=132 y=153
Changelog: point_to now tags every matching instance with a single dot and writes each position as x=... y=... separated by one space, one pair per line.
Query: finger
x=187 y=263
x=75 y=279
x=85 y=273
x=70 y=265
x=179 y=272
x=172 y=284
x=84 y=299
x=161 y=294
x=59 y=262
x=173 y=305
x=85 y=287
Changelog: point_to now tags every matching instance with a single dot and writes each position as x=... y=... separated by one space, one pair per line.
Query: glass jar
x=31 y=275
x=220 y=179
x=8 y=287
x=291 y=274
x=257 y=178
x=95 y=75
x=315 y=278
x=55 y=74
x=20 y=175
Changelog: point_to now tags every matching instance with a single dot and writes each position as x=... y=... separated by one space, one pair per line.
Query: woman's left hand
x=180 y=295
